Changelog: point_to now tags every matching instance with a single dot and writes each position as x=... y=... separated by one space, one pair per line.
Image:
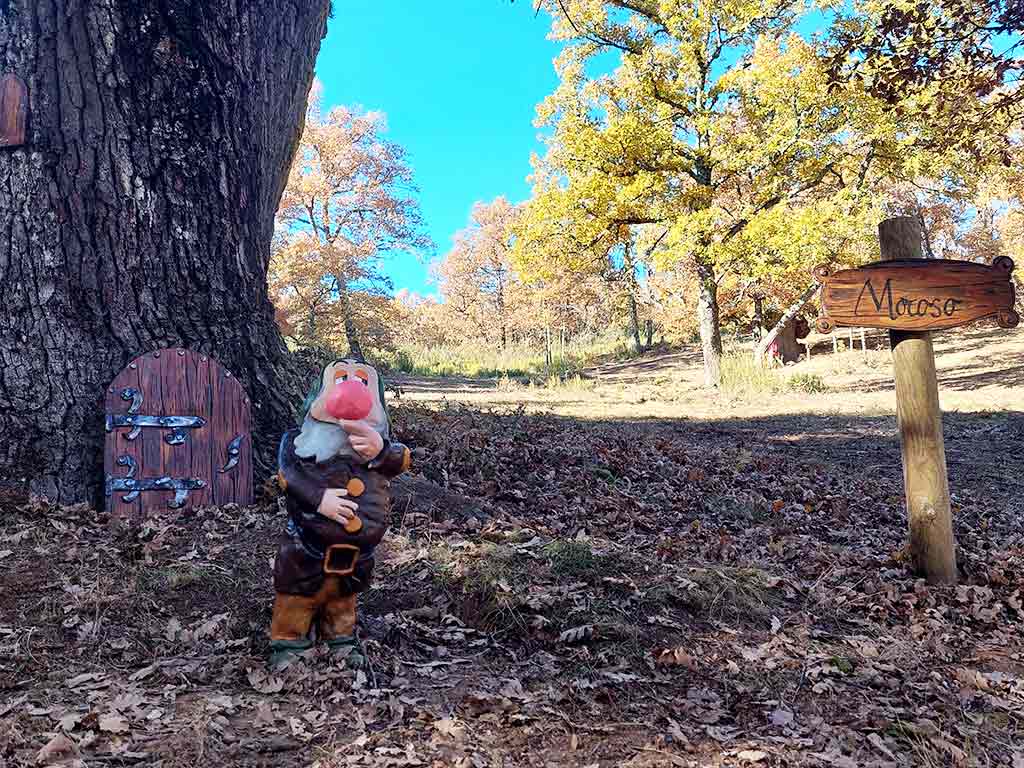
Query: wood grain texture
x=918 y=295
x=13 y=110
x=180 y=382
x=926 y=486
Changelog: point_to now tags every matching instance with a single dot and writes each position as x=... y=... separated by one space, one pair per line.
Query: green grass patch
x=166 y=579
x=733 y=594
x=575 y=559
x=806 y=382
x=486 y=588
x=743 y=377
x=526 y=362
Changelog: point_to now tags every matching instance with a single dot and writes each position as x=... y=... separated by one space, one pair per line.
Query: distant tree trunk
x=140 y=212
x=786 y=319
x=789 y=347
x=634 y=324
x=710 y=329
x=629 y=268
x=355 y=349
x=650 y=333
x=759 y=329
x=919 y=215
x=499 y=303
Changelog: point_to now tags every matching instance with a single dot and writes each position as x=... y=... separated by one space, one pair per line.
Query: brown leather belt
x=337 y=562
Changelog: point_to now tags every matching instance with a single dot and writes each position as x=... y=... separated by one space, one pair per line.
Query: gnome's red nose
x=349 y=400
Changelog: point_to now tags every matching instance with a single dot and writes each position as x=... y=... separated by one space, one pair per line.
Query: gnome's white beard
x=321 y=440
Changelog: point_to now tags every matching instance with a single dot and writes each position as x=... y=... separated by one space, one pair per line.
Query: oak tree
x=350 y=202
x=139 y=213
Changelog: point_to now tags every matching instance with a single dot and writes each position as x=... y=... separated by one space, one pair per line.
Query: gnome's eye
x=341 y=377
x=361 y=375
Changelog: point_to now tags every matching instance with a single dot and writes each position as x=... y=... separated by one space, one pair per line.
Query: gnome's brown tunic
x=299 y=569
x=326 y=552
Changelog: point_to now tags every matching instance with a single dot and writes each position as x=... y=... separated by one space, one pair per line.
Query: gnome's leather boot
x=338 y=628
x=350 y=650
x=289 y=628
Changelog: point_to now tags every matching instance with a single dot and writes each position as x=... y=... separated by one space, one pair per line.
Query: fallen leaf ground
x=555 y=591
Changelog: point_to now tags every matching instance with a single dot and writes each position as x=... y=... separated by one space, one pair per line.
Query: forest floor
x=623 y=572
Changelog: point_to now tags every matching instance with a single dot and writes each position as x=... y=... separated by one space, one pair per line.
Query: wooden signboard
x=178 y=433
x=912 y=296
x=13 y=110
x=917 y=295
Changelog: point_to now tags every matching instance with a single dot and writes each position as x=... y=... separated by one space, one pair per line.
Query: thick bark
x=140 y=211
x=707 y=319
x=789 y=347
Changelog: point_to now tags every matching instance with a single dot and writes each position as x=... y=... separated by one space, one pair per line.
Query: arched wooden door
x=178 y=434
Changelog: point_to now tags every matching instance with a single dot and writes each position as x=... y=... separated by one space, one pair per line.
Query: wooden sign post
x=911 y=297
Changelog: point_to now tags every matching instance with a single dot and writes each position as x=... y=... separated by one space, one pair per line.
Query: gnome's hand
x=365 y=440
x=335 y=506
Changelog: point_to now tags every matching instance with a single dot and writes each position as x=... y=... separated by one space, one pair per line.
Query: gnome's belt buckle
x=334 y=559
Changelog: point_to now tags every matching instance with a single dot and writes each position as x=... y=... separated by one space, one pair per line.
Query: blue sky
x=459 y=89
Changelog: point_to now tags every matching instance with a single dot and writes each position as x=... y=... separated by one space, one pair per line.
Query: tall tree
x=717 y=115
x=350 y=202
x=140 y=212
x=673 y=135
x=567 y=235
x=475 y=276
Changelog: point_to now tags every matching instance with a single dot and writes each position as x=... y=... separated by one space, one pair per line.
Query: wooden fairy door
x=178 y=434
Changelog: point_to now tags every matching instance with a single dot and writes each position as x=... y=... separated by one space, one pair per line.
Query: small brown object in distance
x=13 y=110
x=914 y=294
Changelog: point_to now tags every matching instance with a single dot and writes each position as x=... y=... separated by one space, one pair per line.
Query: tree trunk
x=789 y=347
x=629 y=271
x=786 y=319
x=499 y=305
x=140 y=211
x=634 y=323
x=707 y=318
x=759 y=329
x=650 y=333
x=355 y=349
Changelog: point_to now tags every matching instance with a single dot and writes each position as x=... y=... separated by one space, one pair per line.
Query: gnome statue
x=336 y=473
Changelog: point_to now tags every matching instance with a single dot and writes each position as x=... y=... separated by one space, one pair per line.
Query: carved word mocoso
x=917 y=295
x=902 y=306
